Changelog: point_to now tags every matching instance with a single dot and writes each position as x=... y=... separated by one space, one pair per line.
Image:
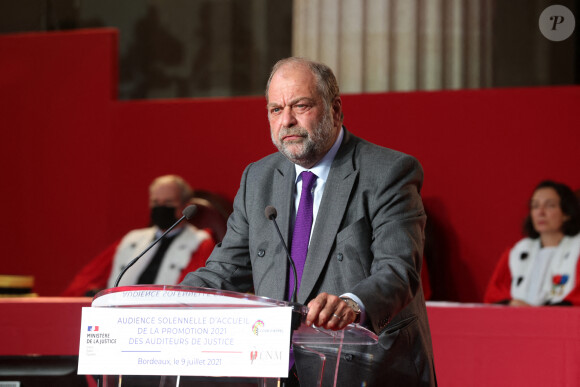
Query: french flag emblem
x=93 y=328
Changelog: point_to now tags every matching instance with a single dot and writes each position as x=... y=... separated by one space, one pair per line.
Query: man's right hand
x=330 y=312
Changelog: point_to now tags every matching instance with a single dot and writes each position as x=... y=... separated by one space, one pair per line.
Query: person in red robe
x=542 y=269
x=182 y=250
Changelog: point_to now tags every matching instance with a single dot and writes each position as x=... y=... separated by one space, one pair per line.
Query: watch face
x=352 y=304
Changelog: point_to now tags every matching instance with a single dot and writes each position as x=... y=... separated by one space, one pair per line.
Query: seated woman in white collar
x=542 y=269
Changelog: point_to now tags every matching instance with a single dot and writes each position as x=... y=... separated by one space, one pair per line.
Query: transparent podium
x=155 y=335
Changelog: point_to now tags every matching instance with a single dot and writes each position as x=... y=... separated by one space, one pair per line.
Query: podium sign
x=173 y=331
x=246 y=341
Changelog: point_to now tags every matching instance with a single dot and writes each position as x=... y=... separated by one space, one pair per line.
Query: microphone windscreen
x=271 y=212
x=189 y=211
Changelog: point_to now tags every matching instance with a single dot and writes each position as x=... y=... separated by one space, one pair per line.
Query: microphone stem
x=293 y=296
x=146 y=250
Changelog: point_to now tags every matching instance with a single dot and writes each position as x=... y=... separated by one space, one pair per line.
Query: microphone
x=271 y=214
x=188 y=213
x=299 y=311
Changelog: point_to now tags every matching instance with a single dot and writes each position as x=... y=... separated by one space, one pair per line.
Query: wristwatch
x=354 y=306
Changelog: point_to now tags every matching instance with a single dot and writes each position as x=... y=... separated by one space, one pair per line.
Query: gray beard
x=312 y=147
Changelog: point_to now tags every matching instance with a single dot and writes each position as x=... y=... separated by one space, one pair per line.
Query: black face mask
x=163 y=216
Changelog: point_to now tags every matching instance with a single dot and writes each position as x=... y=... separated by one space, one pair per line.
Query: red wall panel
x=55 y=95
x=77 y=163
x=483 y=151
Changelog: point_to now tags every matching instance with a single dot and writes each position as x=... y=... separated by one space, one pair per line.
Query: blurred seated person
x=182 y=250
x=542 y=269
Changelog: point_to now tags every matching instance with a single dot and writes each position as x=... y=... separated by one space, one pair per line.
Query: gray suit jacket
x=367 y=240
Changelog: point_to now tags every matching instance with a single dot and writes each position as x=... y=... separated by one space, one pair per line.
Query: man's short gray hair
x=326 y=83
x=185 y=191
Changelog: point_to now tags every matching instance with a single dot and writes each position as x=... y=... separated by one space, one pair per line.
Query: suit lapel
x=284 y=178
x=338 y=187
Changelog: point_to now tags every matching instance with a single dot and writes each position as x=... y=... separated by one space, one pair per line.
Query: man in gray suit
x=364 y=257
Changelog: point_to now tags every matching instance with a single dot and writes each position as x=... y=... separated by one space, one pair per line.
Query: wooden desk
x=484 y=345
x=474 y=345
x=41 y=326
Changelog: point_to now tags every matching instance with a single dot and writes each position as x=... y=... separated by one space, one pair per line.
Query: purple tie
x=302 y=227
